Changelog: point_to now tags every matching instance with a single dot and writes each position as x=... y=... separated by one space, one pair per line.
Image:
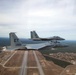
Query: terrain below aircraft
x=15 y=43
x=35 y=37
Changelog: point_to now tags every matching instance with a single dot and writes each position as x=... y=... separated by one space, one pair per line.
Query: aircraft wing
x=38 y=46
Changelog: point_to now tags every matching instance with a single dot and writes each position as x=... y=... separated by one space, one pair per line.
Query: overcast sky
x=47 y=17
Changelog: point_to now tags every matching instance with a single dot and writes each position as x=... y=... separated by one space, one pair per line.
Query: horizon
x=48 y=17
x=30 y=39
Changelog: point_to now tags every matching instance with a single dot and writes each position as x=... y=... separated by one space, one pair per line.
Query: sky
x=47 y=17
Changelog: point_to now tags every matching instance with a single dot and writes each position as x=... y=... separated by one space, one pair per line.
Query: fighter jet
x=15 y=43
x=35 y=37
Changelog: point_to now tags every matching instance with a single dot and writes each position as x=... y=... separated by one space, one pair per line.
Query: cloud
x=49 y=16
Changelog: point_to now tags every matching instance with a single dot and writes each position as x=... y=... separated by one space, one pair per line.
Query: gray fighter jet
x=35 y=37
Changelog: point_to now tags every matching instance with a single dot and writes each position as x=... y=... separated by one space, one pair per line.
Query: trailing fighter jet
x=55 y=39
x=15 y=43
x=35 y=37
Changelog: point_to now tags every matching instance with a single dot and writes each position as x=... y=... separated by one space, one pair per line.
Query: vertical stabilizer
x=31 y=34
x=34 y=35
x=14 y=41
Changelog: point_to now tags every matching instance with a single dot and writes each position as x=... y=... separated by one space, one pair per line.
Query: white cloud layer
x=53 y=17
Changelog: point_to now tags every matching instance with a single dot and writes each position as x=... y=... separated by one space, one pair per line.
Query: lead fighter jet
x=15 y=43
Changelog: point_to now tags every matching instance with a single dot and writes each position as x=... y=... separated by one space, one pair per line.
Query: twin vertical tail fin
x=34 y=35
x=14 y=40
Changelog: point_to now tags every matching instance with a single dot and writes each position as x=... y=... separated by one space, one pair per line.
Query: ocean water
x=4 y=41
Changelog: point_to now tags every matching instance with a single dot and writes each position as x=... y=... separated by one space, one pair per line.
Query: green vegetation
x=70 y=49
x=58 y=62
